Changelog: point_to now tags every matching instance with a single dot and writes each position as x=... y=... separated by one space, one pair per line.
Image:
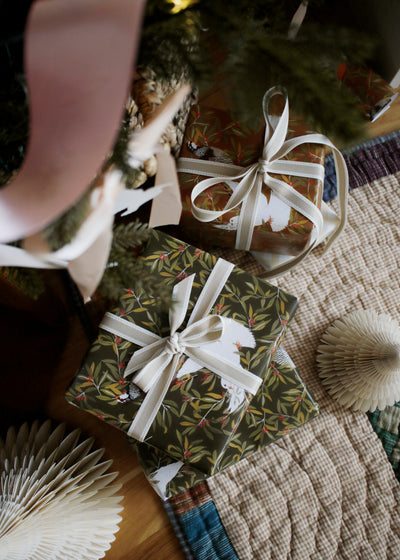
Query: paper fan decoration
x=58 y=502
x=359 y=360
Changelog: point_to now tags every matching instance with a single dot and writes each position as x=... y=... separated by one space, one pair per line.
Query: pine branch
x=14 y=118
x=28 y=280
x=129 y=236
x=119 y=157
x=258 y=55
x=62 y=230
x=124 y=270
x=170 y=43
x=314 y=92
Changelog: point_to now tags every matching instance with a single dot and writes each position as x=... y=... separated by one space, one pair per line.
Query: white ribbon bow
x=158 y=360
x=249 y=189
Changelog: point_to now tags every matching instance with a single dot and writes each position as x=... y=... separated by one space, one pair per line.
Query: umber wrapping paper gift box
x=374 y=93
x=257 y=190
x=198 y=381
x=281 y=405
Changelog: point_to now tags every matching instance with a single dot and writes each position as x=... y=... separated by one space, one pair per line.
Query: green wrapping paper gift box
x=182 y=380
x=281 y=405
x=256 y=211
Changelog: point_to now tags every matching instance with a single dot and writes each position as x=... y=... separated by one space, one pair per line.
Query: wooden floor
x=42 y=345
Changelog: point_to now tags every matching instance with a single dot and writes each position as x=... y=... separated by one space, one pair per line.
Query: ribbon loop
x=150 y=374
x=158 y=355
x=204 y=331
x=180 y=301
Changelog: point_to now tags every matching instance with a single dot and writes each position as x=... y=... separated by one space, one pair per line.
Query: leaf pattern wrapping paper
x=201 y=411
x=282 y=404
x=373 y=92
x=212 y=134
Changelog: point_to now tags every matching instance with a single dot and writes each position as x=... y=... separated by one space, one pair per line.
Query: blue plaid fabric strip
x=206 y=535
x=198 y=525
x=175 y=522
x=386 y=424
x=366 y=162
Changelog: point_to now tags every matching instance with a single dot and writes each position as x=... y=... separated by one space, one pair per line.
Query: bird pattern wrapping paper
x=213 y=135
x=201 y=411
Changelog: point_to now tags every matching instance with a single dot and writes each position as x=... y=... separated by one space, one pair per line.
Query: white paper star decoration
x=358 y=360
x=58 y=501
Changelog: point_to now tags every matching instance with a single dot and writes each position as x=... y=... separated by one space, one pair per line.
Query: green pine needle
x=124 y=271
x=62 y=230
x=119 y=157
x=28 y=280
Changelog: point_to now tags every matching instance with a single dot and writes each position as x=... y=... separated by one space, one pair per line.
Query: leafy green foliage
x=119 y=154
x=62 y=230
x=28 y=280
x=124 y=269
x=251 y=52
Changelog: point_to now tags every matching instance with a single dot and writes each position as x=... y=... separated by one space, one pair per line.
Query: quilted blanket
x=327 y=490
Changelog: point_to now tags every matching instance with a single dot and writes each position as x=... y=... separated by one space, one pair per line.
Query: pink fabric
x=79 y=61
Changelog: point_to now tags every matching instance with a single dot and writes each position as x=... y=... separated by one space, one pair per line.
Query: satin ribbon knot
x=246 y=183
x=153 y=361
x=262 y=167
x=157 y=361
x=174 y=345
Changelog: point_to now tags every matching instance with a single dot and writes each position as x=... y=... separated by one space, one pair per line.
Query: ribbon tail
x=143 y=357
x=15 y=256
x=247 y=216
x=114 y=324
x=231 y=372
x=216 y=281
x=152 y=402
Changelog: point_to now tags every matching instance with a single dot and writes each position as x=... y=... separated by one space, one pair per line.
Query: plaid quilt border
x=193 y=514
x=386 y=424
x=198 y=526
x=366 y=162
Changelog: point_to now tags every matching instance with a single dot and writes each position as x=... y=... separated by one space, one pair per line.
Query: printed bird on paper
x=161 y=477
x=272 y=211
x=234 y=337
